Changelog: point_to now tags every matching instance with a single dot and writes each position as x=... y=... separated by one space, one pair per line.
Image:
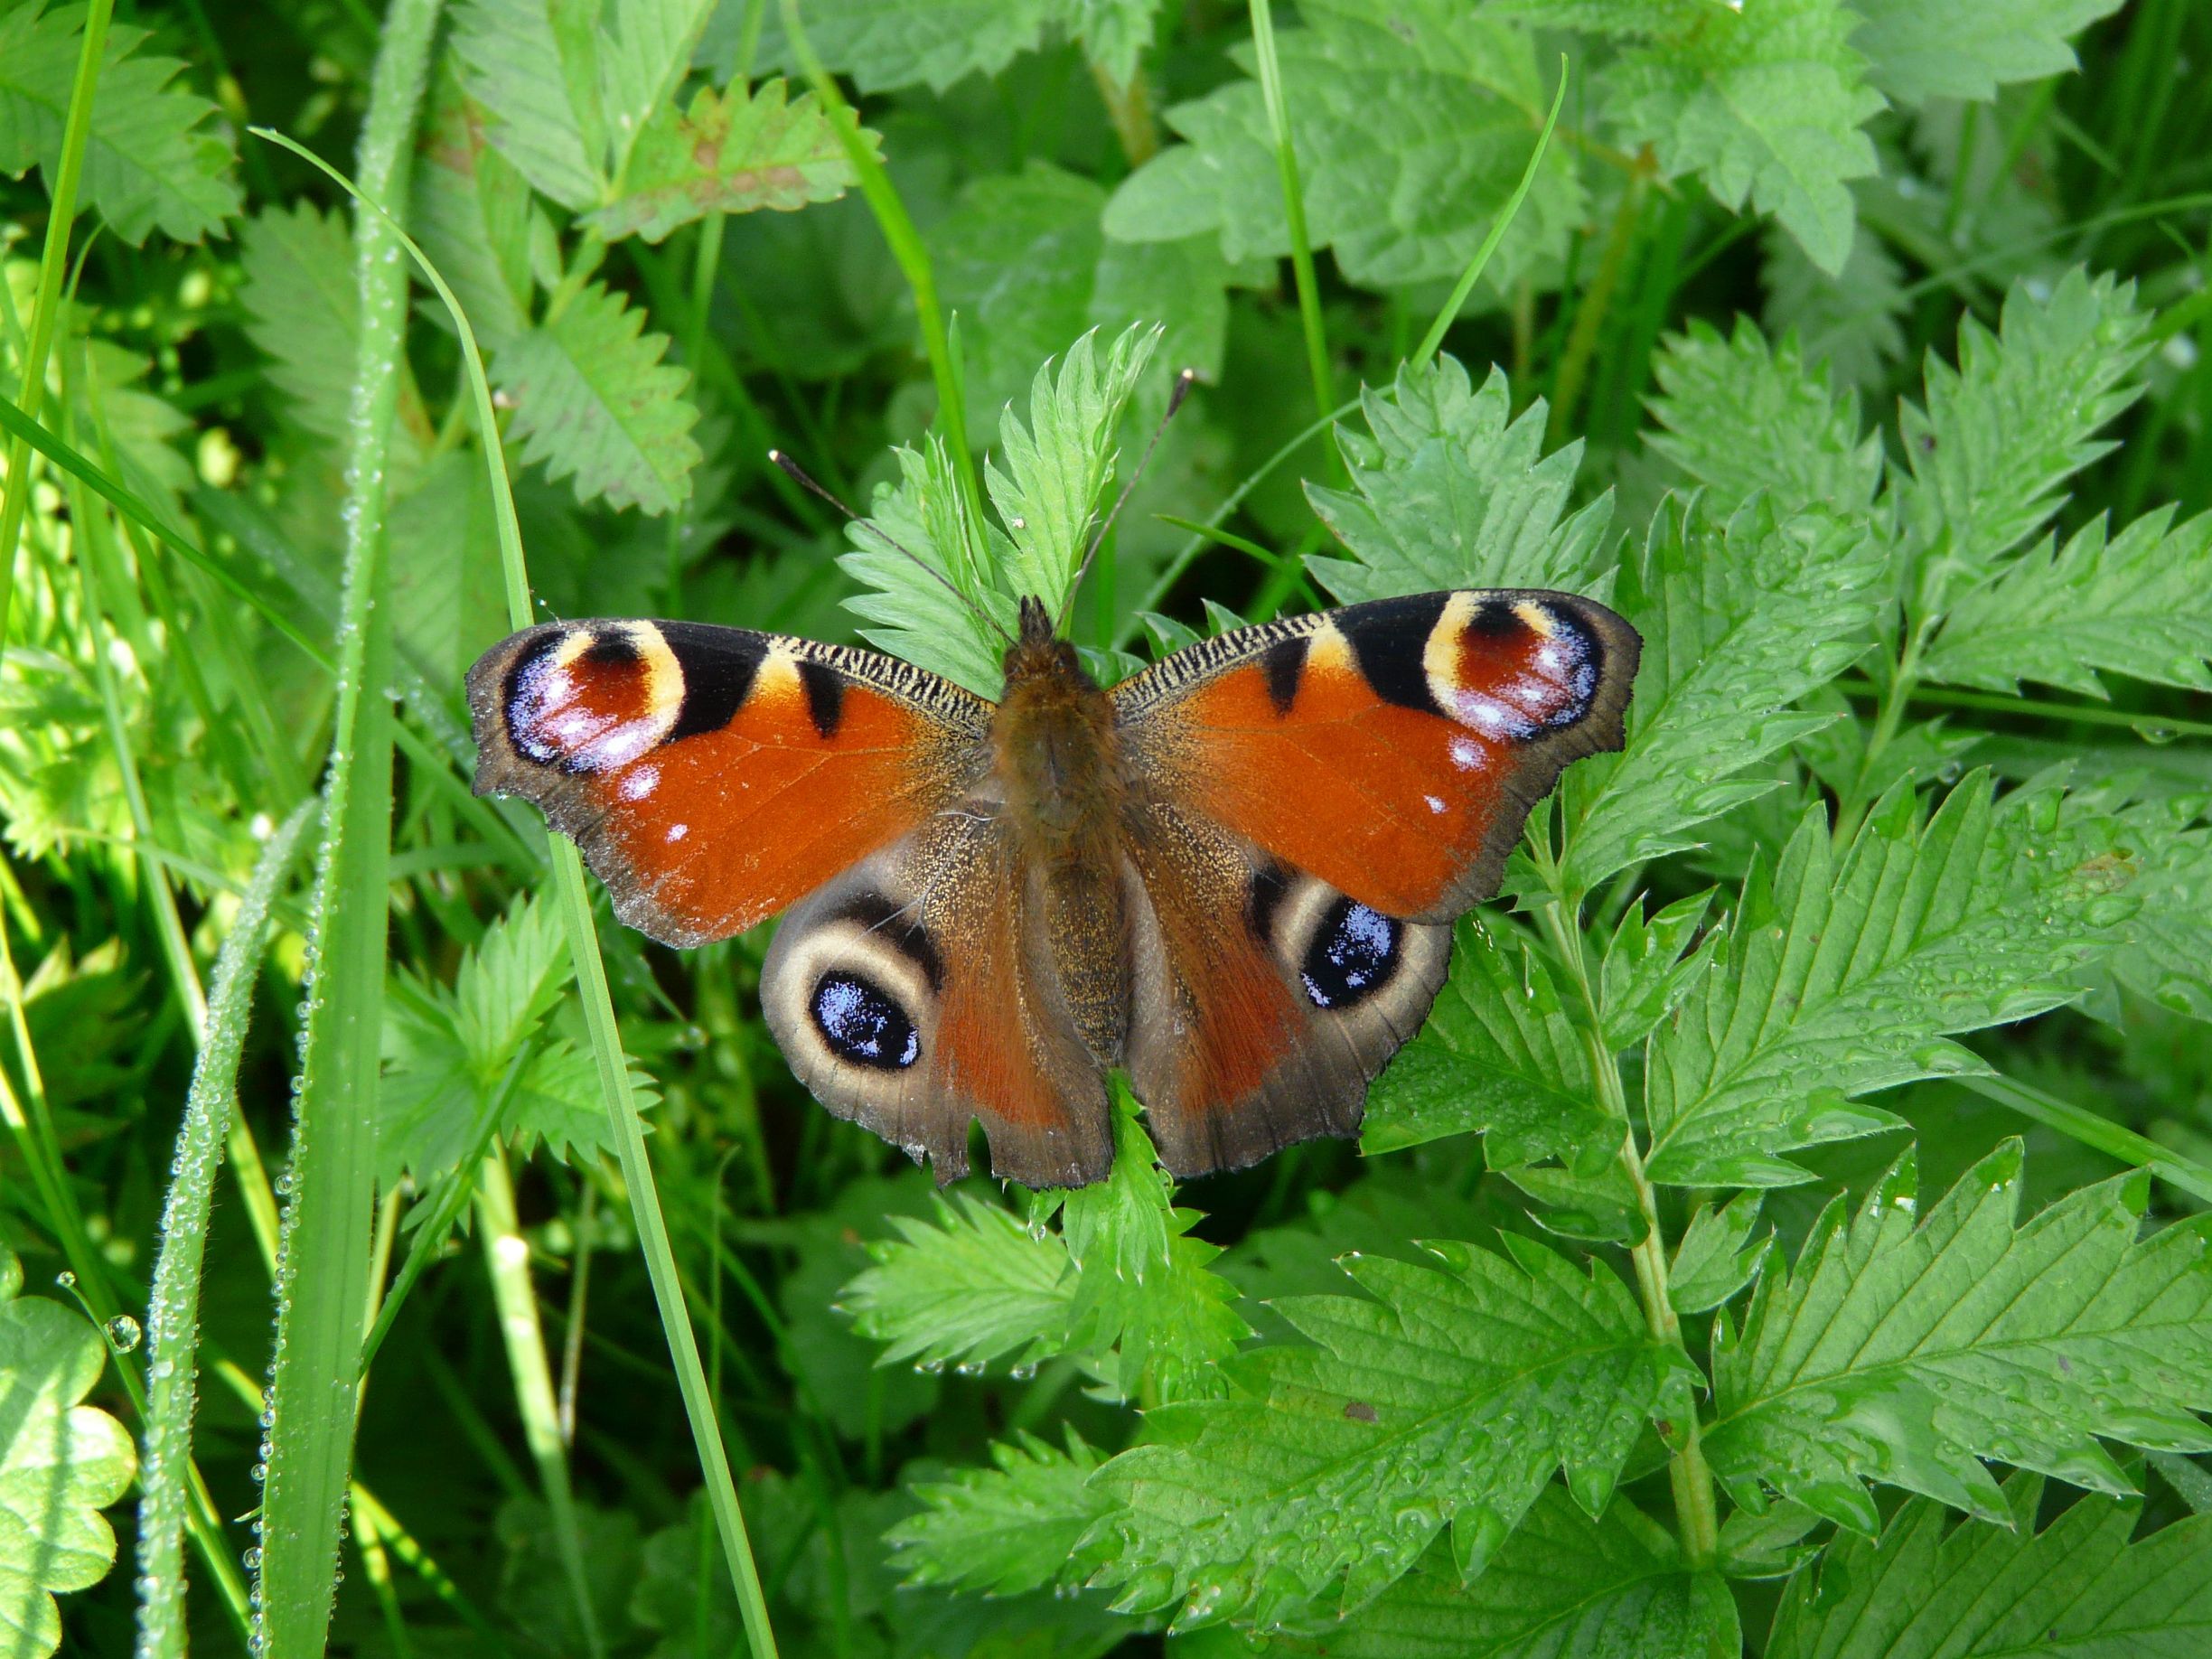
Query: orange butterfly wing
x=711 y=776
x=1392 y=749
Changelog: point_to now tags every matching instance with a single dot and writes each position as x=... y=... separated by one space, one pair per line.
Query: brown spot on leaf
x=1359 y=1412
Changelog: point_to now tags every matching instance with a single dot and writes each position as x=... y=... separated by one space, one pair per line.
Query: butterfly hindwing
x=915 y=993
x=713 y=775
x=1392 y=749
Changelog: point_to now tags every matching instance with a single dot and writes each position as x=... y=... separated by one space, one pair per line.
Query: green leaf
x=737 y=151
x=594 y=401
x=922 y=43
x=1763 y=100
x=2138 y=605
x=646 y=52
x=1015 y=1527
x=1498 y=1056
x=1449 y=1396
x=1852 y=320
x=2000 y=434
x=970 y=1288
x=836 y=1367
x=60 y=1463
x=1114 y=32
x=1740 y=619
x=2167 y=955
x=1907 y=1354
x=1452 y=491
x=534 y=66
x=1414 y=124
x=1564 y=1586
x=445 y=594
x=154 y=159
x=1718 y=1255
x=1644 y=973
x=1917 y=49
x=471 y=212
x=1850 y=969
x=1741 y=415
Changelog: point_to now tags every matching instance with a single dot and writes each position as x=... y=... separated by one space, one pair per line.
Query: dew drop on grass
x=123 y=1332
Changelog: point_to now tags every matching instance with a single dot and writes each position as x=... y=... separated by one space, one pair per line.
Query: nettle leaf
x=1449 y=1396
x=1453 y=491
x=969 y=1288
x=1498 y=1056
x=1564 y=1586
x=62 y=1462
x=2138 y=605
x=1644 y=970
x=2000 y=434
x=1930 y=1590
x=932 y=44
x=1740 y=619
x=2167 y=955
x=932 y=622
x=1907 y=1354
x=1114 y=32
x=644 y=57
x=1414 y=123
x=594 y=402
x=533 y=66
x=471 y=212
x=1022 y=260
x=153 y=158
x=1850 y=969
x=1015 y=1527
x=1852 y=320
x=1741 y=415
x=1718 y=1255
x=1917 y=49
x=1762 y=100
x=735 y=152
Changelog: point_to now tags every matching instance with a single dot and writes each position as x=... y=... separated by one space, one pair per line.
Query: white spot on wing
x=640 y=783
x=678 y=831
x=1467 y=755
x=1435 y=804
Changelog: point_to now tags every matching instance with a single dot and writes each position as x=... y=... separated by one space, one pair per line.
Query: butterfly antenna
x=1175 y=401
x=799 y=476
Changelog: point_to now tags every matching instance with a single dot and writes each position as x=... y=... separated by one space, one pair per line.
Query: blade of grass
x=2079 y=1123
x=324 y=1267
x=1434 y=338
x=45 y=312
x=598 y=1006
x=1294 y=203
x=172 y=1319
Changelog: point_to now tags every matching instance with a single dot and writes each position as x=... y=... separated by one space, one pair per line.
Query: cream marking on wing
x=678 y=831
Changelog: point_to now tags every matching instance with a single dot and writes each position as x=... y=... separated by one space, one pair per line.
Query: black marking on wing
x=896 y=926
x=1388 y=638
x=1494 y=619
x=825 y=695
x=718 y=665
x=520 y=686
x=1268 y=889
x=1282 y=663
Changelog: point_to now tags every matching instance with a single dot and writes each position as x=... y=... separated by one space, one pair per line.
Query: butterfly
x=1233 y=874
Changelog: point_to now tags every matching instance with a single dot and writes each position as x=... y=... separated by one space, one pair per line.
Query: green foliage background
x=1788 y=1234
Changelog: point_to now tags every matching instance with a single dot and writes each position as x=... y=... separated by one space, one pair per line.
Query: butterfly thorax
x=1058 y=760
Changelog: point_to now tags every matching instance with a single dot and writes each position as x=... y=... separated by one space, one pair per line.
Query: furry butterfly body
x=1233 y=874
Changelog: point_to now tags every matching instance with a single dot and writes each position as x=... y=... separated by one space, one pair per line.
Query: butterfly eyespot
x=861 y=1025
x=1354 y=953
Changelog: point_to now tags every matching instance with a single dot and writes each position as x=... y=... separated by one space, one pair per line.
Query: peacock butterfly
x=1233 y=875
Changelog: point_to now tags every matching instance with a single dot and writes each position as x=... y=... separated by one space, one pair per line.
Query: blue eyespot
x=1355 y=952
x=863 y=1026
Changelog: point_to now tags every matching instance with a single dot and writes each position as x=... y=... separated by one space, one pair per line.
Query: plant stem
x=1696 y=1513
x=1294 y=204
x=45 y=312
x=1129 y=109
x=1597 y=300
x=1903 y=680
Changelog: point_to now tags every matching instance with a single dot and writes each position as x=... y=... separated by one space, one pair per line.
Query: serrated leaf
x=1451 y=1395
x=2000 y=435
x=2138 y=605
x=1763 y=100
x=1563 y=1586
x=595 y=403
x=534 y=66
x=1917 y=49
x=471 y=213
x=1413 y=123
x=62 y=1462
x=137 y=427
x=2166 y=952
x=1015 y=1527
x=1453 y=491
x=738 y=152
x=1850 y=969
x=643 y=57
x=1644 y=972
x=1718 y=1255
x=969 y=1288
x=1498 y=1056
x=1741 y=415
x=152 y=160
x=1740 y=619
x=1114 y=32
x=1851 y=320
x=932 y=43
x=1908 y=1353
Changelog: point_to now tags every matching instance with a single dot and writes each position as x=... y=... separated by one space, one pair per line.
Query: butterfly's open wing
x=915 y=993
x=1316 y=799
x=711 y=776
x=1393 y=749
